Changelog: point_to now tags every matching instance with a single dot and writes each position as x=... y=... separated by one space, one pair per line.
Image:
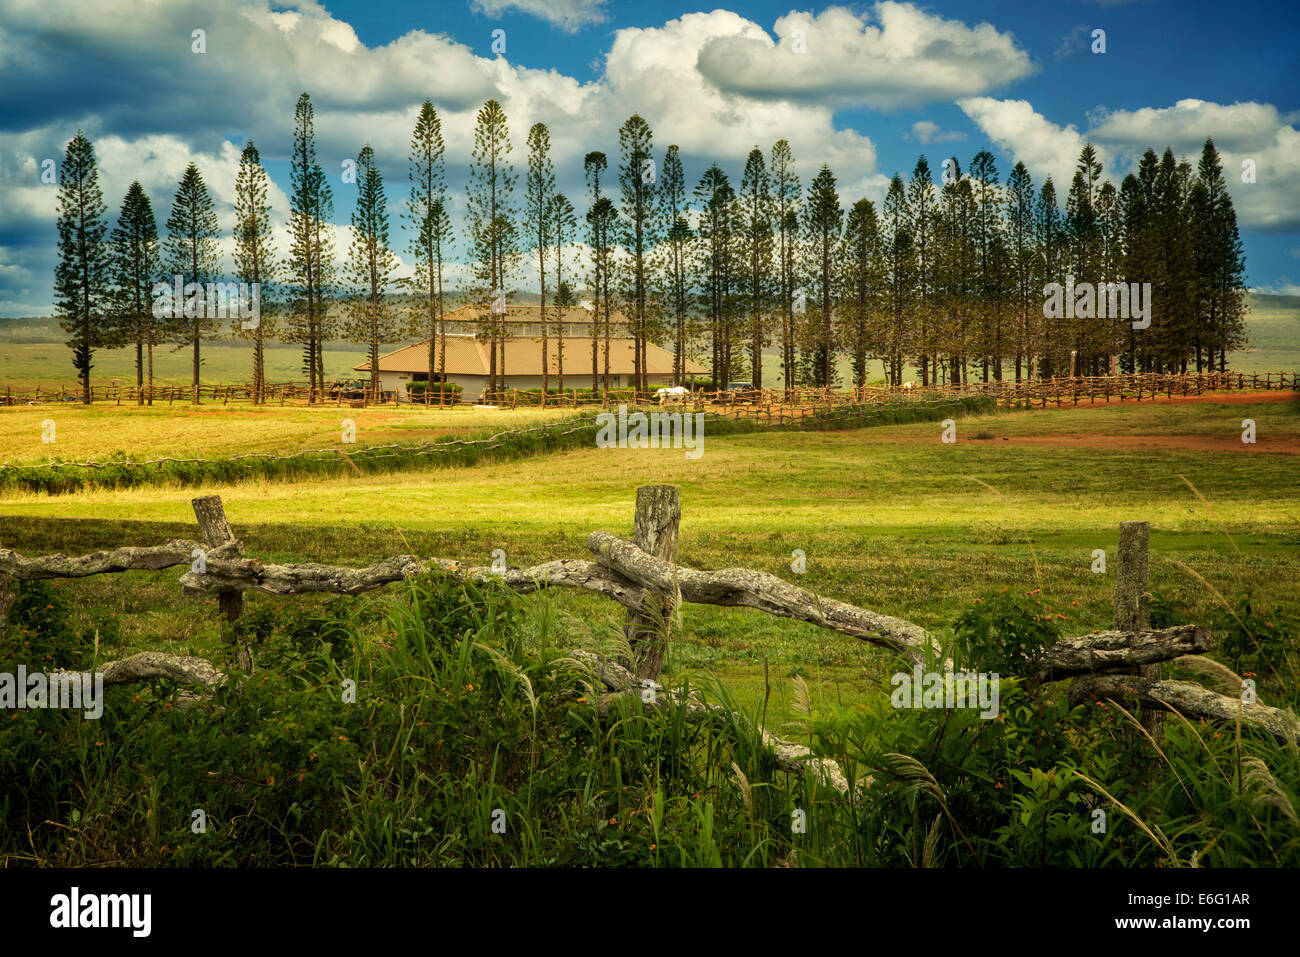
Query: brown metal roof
x=467 y=356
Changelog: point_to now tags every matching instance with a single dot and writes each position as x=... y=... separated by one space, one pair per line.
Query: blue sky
x=863 y=87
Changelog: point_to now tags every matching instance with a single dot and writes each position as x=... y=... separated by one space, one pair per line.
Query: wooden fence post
x=658 y=515
x=1132 y=575
x=216 y=531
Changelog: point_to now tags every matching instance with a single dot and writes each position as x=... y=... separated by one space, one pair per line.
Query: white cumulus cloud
x=1247 y=135
x=568 y=15
x=904 y=57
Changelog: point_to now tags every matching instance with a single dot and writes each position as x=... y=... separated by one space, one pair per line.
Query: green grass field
x=1274 y=326
x=889 y=518
x=26 y=365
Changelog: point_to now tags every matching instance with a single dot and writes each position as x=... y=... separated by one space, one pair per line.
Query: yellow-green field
x=141 y=432
x=48 y=364
x=889 y=518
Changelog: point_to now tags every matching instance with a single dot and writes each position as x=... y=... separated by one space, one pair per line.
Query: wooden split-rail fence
x=1121 y=663
x=1027 y=393
x=791 y=403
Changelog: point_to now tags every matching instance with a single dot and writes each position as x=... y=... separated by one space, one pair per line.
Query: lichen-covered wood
x=658 y=515
x=211 y=515
x=1131 y=574
x=1190 y=700
x=156 y=664
x=1109 y=651
x=249 y=574
x=127 y=558
x=752 y=589
x=1131 y=601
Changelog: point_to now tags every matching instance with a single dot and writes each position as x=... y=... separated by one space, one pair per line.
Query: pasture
x=46 y=363
x=143 y=432
x=889 y=518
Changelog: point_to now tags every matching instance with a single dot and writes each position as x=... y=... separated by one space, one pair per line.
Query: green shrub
x=1005 y=633
x=40 y=634
x=450 y=390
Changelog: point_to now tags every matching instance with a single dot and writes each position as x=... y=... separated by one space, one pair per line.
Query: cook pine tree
x=255 y=259
x=539 y=225
x=135 y=266
x=756 y=208
x=1220 y=266
x=953 y=293
x=673 y=254
x=862 y=283
x=899 y=261
x=371 y=318
x=716 y=268
x=785 y=196
x=1021 y=255
x=192 y=254
x=602 y=221
x=638 y=233
x=564 y=226
x=431 y=240
x=1049 y=237
x=81 y=277
x=311 y=270
x=493 y=232
x=993 y=266
x=823 y=220
x=921 y=201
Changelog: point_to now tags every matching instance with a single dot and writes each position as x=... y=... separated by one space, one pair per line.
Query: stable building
x=469 y=361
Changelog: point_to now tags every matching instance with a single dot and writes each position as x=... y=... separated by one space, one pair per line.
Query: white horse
x=674 y=392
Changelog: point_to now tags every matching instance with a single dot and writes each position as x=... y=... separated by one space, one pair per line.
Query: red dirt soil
x=1285 y=445
x=1098 y=440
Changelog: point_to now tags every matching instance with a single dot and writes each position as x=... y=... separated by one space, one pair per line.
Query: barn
x=469 y=361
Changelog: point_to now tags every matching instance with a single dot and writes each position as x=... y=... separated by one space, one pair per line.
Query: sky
x=865 y=88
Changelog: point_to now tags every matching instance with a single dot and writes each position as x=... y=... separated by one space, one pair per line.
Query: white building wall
x=472 y=386
x=580 y=379
x=394 y=382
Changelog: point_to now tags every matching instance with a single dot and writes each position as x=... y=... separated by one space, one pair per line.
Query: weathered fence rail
x=645 y=577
